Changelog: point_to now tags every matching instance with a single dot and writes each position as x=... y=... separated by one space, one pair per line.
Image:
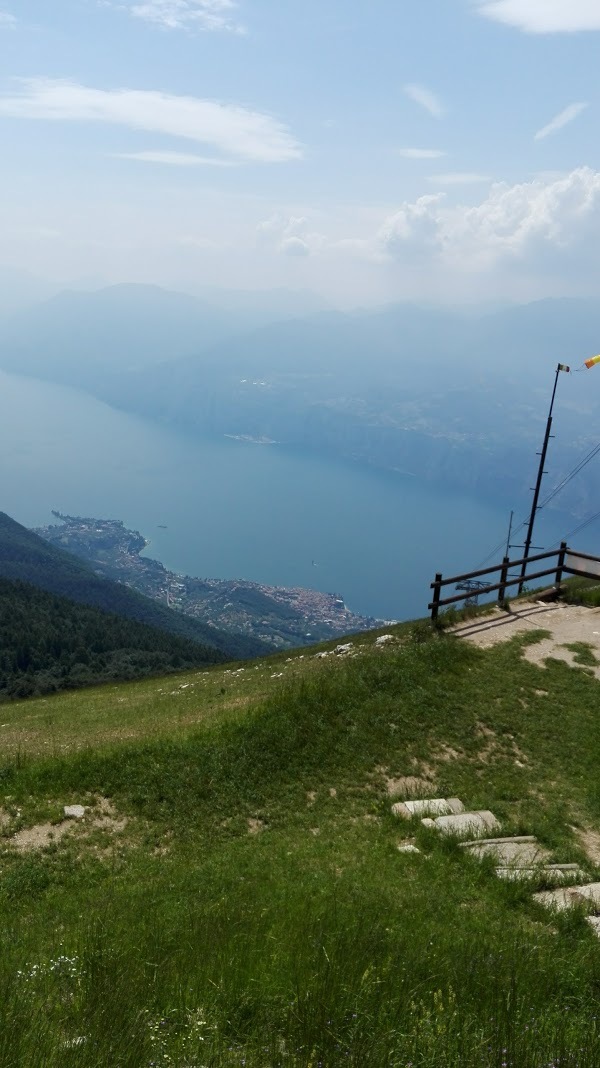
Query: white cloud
x=458 y=178
x=295 y=246
x=545 y=16
x=189 y=14
x=563 y=118
x=420 y=153
x=7 y=20
x=236 y=131
x=174 y=159
x=414 y=228
x=426 y=99
x=290 y=235
x=540 y=225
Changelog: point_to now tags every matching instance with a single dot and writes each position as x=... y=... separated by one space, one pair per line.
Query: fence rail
x=566 y=561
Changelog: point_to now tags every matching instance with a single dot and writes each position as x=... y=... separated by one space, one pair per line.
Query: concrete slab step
x=586 y=896
x=509 y=838
x=553 y=873
x=432 y=806
x=521 y=852
x=594 y=922
x=564 y=867
x=465 y=824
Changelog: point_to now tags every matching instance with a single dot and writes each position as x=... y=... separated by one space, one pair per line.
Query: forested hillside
x=28 y=558
x=50 y=643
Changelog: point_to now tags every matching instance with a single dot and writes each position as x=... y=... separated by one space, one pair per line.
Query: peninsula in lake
x=282 y=617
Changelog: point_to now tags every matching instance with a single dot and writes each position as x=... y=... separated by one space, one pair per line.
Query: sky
x=431 y=150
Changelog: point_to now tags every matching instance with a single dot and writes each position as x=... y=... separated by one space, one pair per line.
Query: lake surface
x=238 y=510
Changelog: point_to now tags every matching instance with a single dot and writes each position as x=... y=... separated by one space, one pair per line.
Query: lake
x=239 y=510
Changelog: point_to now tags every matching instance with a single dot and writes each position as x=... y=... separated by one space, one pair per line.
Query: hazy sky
x=370 y=151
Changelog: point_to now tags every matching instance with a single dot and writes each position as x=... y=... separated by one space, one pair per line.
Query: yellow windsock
x=594 y=359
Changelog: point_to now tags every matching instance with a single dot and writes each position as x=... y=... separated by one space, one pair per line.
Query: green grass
x=184 y=939
x=584 y=654
x=172 y=706
x=175 y=705
x=582 y=591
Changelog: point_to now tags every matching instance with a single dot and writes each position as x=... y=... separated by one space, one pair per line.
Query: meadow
x=235 y=896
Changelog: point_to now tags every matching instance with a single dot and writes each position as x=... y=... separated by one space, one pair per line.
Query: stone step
x=493 y=841
x=594 y=922
x=587 y=896
x=520 y=852
x=466 y=823
x=432 y=806
x=556 y=873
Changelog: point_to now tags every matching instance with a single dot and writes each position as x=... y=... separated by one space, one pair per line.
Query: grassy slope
x=186 y=940
x=28 y=558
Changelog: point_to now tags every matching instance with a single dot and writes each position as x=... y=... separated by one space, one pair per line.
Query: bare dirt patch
x=255 y=826
x=101 y=816
x=567 y=624
x=494 y=747
x=484 y=731
x=590 y=843
x=408 y=786
x=41 y=835
x=424 y=770
x=489 y=746
x=446 y=753
x=107 y=818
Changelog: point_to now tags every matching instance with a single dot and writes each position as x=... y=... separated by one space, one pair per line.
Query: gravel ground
x=567 y=624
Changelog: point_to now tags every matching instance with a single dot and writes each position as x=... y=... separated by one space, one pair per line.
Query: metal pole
x=538 y=485
x=507 y=553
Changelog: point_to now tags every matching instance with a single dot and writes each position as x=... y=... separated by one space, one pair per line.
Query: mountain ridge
x=452 y=397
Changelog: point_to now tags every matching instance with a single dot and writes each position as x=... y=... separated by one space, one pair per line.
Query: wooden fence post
x=437 y=589
x=560 y=564
x=503 y=578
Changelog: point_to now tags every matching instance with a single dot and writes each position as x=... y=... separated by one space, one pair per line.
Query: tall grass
x=270 y=971
x=314 y=943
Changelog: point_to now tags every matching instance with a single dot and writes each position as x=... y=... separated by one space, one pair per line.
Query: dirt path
x=568 y=624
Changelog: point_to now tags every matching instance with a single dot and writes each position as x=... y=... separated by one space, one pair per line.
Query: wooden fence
x=566 y=561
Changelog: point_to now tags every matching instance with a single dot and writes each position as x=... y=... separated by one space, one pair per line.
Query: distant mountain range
x=453 y=398
x=78 y=335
